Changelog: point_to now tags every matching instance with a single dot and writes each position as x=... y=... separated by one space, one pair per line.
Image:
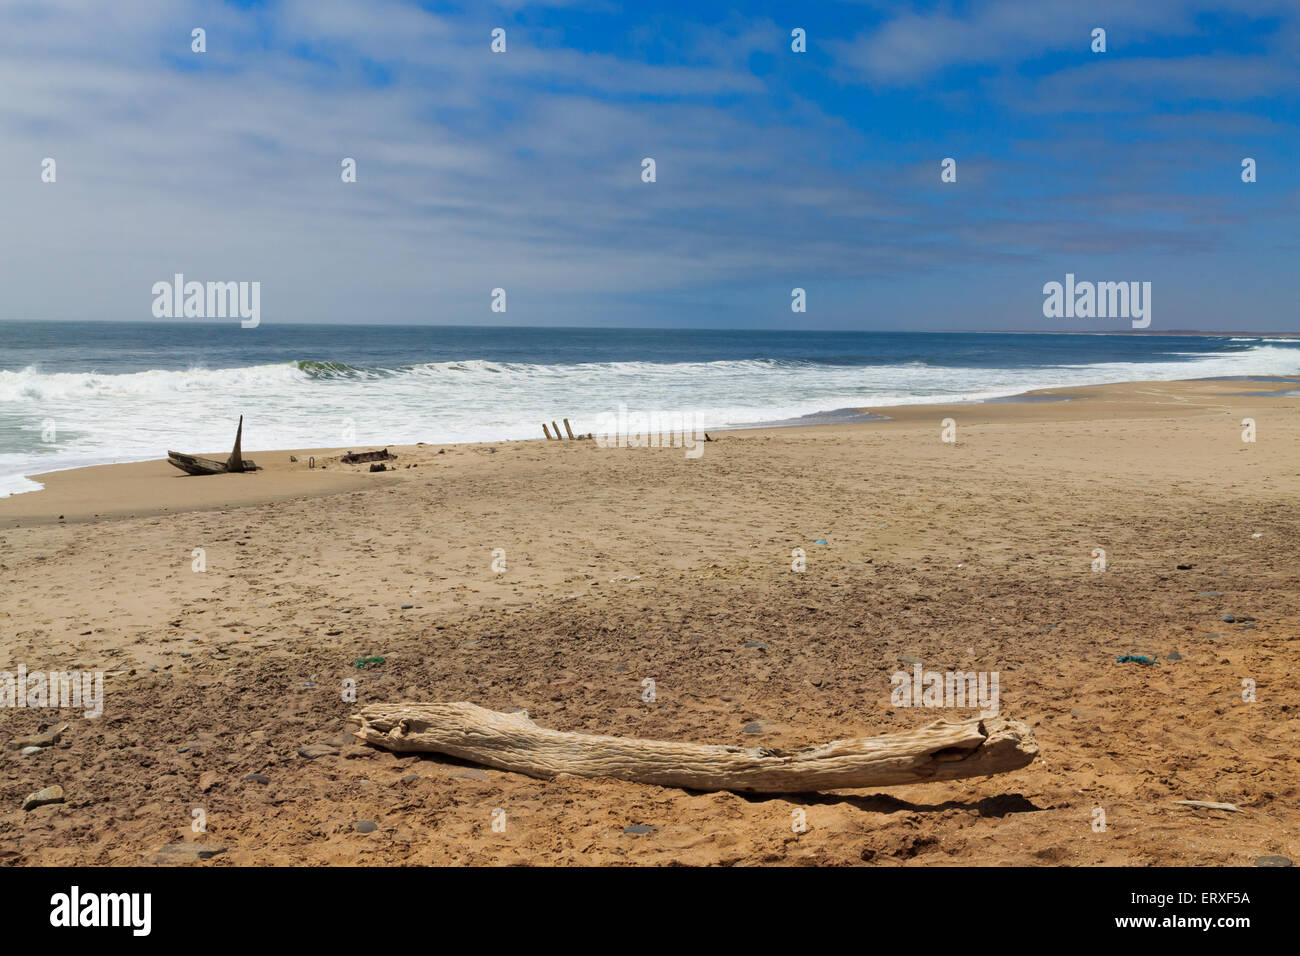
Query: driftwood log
x=943 y=750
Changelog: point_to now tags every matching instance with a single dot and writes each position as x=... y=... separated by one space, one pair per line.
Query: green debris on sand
x=365 y=663
x=1136 y=658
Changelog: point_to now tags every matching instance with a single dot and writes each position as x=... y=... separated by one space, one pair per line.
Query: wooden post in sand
x=943 y=750
x=557 y=431
x=568 y=429
x=547 y=432
x=236 y=460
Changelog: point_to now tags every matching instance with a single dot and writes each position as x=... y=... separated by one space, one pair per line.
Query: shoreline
x=152 y=487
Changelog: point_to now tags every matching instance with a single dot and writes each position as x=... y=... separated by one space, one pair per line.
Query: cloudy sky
x=775 y=169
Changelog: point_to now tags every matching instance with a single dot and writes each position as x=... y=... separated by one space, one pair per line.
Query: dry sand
x=626 y=564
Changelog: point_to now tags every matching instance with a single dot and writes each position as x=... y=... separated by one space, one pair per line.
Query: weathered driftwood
x=360 y=457
x=195 y=465
x=235 y=463
x=1210 y=805
x=943 y=750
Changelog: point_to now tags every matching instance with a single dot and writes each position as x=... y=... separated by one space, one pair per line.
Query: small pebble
x=257 y=778
x=638 y=829
x=365 y=826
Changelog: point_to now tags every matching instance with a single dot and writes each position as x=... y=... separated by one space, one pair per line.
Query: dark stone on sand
x=1213 y=637
x=313 y=751
x=1186 y=567
x=639 y=828
x=759 y=644
x=1228 y=618
x=754 y=728
x=407 y=607
x=257 y=778
x=1173 y=656
x=365 y=826
x=911 y=660
x=181 y=853
x=1273 y=861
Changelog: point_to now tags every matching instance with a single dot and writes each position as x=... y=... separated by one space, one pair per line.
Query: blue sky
x=775 y=169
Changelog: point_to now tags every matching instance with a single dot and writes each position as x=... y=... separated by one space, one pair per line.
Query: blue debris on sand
x=1136 y=658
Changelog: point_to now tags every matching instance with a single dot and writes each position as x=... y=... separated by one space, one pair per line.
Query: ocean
x=84 y=393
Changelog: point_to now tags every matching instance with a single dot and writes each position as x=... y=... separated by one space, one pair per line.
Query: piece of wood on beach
x=1208 y=805
x=194 y=465
x=568 y=429
x=943 y=750
x=235 y=463
x=360 y=457
x=547 y=432
x=556 y=429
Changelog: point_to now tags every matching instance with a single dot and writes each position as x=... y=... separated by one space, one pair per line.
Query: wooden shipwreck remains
x=943 y=750
x=567 y=427
x=194 y=465
x=358 y=457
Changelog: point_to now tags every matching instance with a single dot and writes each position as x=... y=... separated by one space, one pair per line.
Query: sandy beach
x=222 y=685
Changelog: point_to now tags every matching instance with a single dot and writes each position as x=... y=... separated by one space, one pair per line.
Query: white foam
x=101 y=418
